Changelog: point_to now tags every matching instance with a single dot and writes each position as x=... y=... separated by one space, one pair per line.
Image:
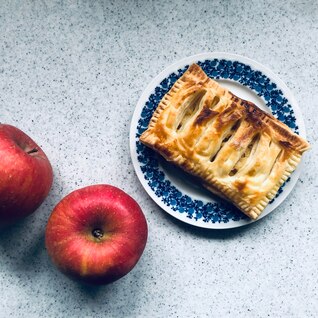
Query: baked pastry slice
x=237 y=151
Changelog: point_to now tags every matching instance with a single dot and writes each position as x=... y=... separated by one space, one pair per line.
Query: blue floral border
x=215 y=212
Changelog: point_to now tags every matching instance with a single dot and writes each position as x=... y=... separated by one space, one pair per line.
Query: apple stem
x=98 y=233
x=32 y=151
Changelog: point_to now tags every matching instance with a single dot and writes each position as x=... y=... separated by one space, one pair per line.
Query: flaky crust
x=237 y=150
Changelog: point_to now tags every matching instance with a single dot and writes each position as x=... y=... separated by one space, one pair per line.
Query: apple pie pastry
x=237 y=151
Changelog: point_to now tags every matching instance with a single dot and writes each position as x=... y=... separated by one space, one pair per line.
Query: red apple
x=96 y=234
x=25 y=175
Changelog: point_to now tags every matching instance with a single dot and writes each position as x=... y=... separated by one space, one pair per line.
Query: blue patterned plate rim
x=231 y=68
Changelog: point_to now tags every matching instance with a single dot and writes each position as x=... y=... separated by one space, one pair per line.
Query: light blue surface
x=71 y=73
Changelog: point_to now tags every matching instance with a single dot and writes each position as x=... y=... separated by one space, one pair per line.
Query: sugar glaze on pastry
x=237 y=151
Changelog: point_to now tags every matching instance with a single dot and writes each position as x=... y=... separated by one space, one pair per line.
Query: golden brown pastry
x=238 y=151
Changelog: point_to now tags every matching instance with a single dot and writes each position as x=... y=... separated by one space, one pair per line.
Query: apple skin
x=25 y=175
x=96 y=234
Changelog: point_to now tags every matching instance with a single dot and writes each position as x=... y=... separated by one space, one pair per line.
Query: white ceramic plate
x=178 y=193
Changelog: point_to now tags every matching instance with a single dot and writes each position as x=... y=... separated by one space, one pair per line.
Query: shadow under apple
x=22 y=245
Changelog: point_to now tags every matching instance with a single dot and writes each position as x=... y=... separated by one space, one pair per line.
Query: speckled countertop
x=71 y=73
